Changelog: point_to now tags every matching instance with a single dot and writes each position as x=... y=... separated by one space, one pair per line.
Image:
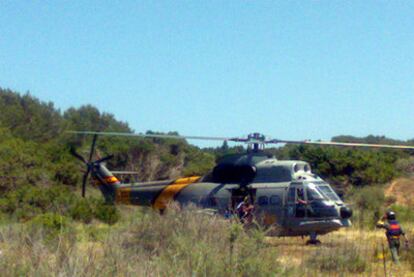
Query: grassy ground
x=348 y=252
x=188 y=243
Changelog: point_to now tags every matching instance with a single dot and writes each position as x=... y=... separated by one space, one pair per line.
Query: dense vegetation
x=48 y=221
x=34 y=147
x=34 y=150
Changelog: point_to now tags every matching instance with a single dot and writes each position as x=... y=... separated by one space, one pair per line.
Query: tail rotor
x=90 y=165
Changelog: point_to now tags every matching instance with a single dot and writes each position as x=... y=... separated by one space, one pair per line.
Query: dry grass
x=190 y=243
x=348 y=252
x=180 y=243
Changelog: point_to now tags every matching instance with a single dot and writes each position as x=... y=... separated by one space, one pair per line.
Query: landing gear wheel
x=312 y=239
x=313 y=242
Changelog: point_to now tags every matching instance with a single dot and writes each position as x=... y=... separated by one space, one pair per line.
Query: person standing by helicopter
x=301 y=203
x=393 y=233
x=245 y=211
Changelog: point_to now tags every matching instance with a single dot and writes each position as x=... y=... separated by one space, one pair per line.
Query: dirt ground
x=403 y=191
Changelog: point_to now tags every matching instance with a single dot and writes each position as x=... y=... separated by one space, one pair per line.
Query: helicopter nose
x=346 y=212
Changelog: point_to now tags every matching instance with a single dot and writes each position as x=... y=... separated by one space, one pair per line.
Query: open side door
x=295 y=204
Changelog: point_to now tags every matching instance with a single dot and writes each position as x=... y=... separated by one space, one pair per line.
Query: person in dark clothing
x=301 y=203
x=393 y=231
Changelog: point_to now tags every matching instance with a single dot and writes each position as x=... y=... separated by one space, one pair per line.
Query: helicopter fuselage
x=287 y=197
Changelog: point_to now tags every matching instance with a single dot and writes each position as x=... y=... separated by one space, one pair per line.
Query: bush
x=82 y=210
x=26 y=212
x=403 y=213
x=406 y=166
x=66 y=173
x=3 y=218
x=368 y=202
x=28 y=202
x=106 y=212
x=49 y=226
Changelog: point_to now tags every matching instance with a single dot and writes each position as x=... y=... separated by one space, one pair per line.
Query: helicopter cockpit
x=315 y=199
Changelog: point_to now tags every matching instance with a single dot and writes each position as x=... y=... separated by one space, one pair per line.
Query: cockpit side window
x=263 y=200
x=328 y=192
x=312 y=193
x=275 y=200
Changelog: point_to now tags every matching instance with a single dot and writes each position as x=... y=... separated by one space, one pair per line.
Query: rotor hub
x=256 y=141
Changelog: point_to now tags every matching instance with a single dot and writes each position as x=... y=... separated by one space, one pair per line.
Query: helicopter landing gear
x=312 y=239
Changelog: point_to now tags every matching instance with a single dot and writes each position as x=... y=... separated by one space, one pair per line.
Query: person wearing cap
x=393 y=231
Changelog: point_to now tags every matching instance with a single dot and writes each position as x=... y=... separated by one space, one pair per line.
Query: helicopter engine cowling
x=230 y=173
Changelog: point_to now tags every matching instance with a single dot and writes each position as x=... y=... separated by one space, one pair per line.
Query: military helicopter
x=288 y=198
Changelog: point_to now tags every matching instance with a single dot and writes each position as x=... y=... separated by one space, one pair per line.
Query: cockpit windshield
x=328 y=192
x=313 y=193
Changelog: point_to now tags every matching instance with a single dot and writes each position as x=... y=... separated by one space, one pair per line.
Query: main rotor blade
x=75 y=154
x=95 y=137
x=346 y=144
x=152 y=135
x=361 y=145
x=235 y=139
x=85 y=178
x=104 y=159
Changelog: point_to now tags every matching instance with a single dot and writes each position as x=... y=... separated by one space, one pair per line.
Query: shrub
x=64 y=168
x=403 y=213
x=3 y=218
x=26 y=212
x=82 y=210
x=369 y=202
x=106 y=212
x=27 y=201
x=49 y=226
x=405 y=165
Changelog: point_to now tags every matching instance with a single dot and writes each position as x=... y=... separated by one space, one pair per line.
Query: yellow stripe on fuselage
x=123 y=195
x=170 y=191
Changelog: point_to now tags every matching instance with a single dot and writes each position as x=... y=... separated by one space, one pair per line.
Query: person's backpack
x=394 y=229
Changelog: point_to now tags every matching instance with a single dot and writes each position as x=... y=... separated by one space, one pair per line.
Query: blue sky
x=289 y=69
